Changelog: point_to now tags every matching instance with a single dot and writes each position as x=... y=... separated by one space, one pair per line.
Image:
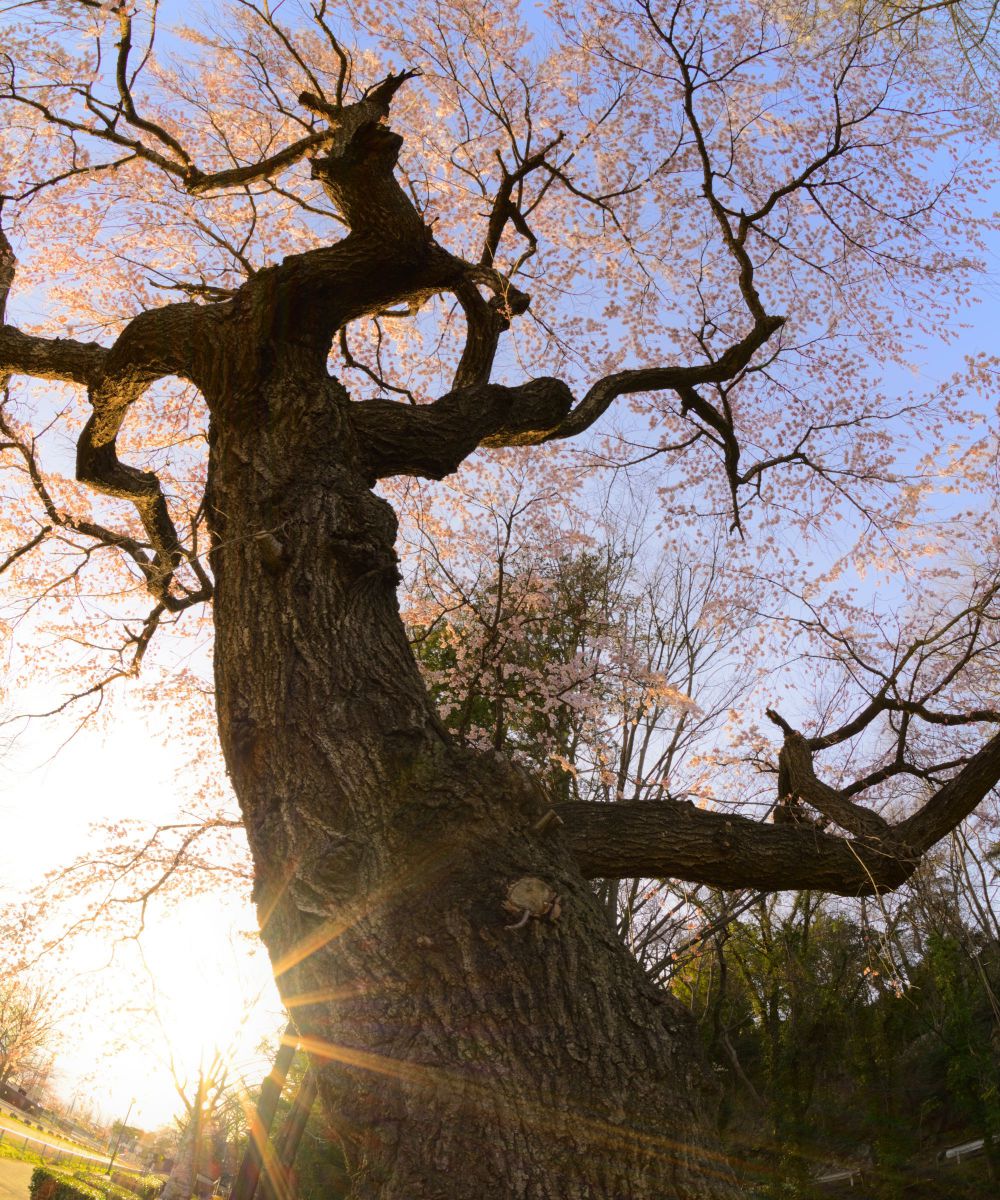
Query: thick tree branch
x=165 y=341
x=43 y=358
x=485 y=321
x=8 y=264
x=797 y=774
x=650 y=379
x=350 y=136
x=154 y=143
x=162 y=342
x=432 y=440
x=49 y=358
x=953 y=802
x=357 y=170
x=679 y=841
x=309 y=297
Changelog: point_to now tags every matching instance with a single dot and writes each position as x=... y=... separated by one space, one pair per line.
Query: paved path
x=14 y=1177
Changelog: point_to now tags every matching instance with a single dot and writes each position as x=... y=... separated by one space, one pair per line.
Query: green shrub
x=122 y=1186
x=146 y=1187
x=49 y=1184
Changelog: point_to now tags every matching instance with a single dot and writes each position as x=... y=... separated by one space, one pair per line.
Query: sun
x=197 y=989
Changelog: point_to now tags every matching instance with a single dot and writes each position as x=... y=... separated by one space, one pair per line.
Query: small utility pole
x=118 y=1139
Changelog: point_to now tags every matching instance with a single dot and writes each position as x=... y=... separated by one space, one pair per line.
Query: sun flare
x=213 y=998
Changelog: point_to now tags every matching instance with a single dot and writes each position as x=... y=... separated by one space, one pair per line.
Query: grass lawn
x=69 y=1161
x=15 y=1131
x=18 y=1152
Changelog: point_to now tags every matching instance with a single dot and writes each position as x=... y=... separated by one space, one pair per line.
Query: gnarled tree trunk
x=460 y=1052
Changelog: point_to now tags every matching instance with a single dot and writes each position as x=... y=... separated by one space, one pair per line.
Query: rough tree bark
x=182 y=1181
x=474 y=1023
x=456 y=1052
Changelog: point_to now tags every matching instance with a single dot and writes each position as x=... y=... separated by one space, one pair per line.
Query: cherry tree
x=722 y=225
x=28 y=1028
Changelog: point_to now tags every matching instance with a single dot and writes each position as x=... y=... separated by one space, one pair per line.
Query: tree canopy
x=744 y=232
